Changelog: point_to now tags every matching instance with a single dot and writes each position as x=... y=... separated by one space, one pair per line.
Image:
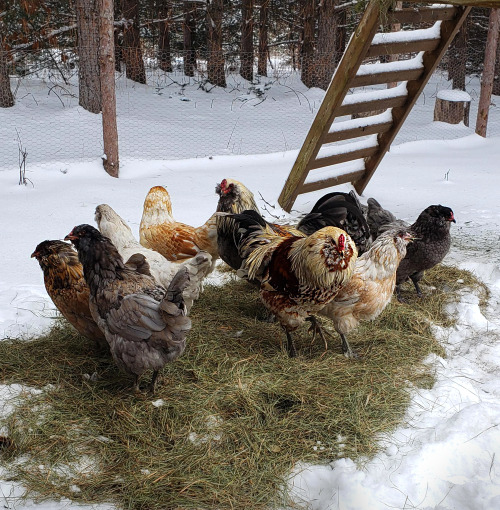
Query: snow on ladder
x=386 y=108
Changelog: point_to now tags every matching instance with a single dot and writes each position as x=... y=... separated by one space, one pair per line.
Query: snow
x=433 y=32
x=373 y=120
x=374 y=95
x=446 y=453
x=454 y=95
x=398 y=65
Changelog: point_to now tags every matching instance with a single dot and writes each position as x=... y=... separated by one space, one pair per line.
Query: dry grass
x=238 y=414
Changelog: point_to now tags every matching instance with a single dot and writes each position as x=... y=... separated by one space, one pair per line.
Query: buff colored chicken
x=159 y=230
x=298 y=275
x=65 y=284
x=370 y=289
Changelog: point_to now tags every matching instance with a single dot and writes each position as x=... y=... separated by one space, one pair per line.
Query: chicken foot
x=151 y=386
x=316 y=329
x=348 y=351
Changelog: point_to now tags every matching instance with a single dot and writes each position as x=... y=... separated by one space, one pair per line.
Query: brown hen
x=65 y=284
x=159 y=230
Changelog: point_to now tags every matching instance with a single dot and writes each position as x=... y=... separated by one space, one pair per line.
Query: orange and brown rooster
x=159 y=230
x=298 y=275
x=65 y=284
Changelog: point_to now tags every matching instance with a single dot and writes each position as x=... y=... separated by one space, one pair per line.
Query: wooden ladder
x=365 y=155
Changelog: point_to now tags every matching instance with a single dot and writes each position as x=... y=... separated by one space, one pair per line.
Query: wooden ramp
x=384 y=110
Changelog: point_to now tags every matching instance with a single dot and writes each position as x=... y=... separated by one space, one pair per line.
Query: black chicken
x=145 y=324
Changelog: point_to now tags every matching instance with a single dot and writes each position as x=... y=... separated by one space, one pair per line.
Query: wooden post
x=107 y=67
x=488 y=72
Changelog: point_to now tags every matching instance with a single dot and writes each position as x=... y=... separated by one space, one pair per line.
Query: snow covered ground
x=446 y=455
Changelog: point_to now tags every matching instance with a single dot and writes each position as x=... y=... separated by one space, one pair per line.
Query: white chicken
x=163 y=271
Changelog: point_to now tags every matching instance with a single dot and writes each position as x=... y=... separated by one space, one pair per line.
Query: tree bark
x=263 y=38
x=246 y=54
x=496 y=80
x=488 y=72
x=6 y=97
x=110 y=159
x=215 y=64
x=326 y=48
x=307 y=73
x=131 y=50
x=457 y=58
x=189 y=31
x=164 y=54
x=89 y=87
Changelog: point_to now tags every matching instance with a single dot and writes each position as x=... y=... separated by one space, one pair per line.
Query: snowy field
x=446 y=455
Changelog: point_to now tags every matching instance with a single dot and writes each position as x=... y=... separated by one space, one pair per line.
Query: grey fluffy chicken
x=145 y=324
x=337 y=209
x=432 y=241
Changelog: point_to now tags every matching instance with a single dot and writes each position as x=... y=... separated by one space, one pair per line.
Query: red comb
x=341 y=242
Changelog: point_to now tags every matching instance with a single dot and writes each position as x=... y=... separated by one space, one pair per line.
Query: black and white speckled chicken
x=145 y=324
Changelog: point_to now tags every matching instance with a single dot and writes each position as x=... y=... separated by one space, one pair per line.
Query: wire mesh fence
x=175 y=114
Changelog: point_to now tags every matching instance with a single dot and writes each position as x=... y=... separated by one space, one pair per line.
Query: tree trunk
x=307 y=51
x=110 y=159
x=496 y=80
x=457 y=58
x=89 y=87
x=131 y=50
x=263 y=38
x=488 y=72
x=215 y=64
x=6 y=97
x=164 y=54
x=326 y=48
x=246 y=54
x=189 y=31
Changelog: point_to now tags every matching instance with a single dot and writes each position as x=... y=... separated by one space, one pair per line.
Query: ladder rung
x=346 y=134
x=421 y=14
x=331 y=181
x=371 y=106
x=343 y=158
x=393 y=48
x=386 y=77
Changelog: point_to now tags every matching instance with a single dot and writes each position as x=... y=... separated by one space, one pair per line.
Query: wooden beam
x=331 y=181
x=394 y=48
x=347 y=134
x=386 y=77
x=371 y=106
x=346 y=70
x=421 y=15
x=343 y=158
x=399 y=114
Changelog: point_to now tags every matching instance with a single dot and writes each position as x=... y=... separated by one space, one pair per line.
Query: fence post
x=108 y=97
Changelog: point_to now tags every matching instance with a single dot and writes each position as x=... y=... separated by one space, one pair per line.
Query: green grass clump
x=237 y=413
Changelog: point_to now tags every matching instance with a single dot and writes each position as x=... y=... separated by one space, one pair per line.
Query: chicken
x=432 y=243
x=335 y=209
x=379 y=219
x=145 y=324
x=432 y=240
x=298 y=275
x=114 y=227
x=175 y=241
x=65 y=284
x=341 y=210
x=371 y=286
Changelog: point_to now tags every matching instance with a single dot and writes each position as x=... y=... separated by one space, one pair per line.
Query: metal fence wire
x=175 y=114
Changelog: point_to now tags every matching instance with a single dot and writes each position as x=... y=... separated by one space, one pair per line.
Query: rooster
x=335 y=209
x=114 y=227
x=65 y=284
x=175 y=241
x=371 y=286
x=145 y=324
x=432 y=240
x=298 y=275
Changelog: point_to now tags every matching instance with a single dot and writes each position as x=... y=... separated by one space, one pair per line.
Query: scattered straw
x=230 y=418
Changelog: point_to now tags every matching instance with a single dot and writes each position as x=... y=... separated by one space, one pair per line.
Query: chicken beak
x=34 y=254
x=70 y=237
